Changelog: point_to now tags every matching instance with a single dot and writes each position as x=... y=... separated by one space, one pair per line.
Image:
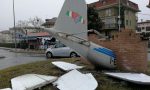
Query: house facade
x=22 y=32
x=144 y=27
x=144 y=30
x=6 y=37
x=49 y=23
x=109 y=13
x=38 y=40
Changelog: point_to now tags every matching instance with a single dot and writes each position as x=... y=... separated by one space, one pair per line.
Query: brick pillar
x=130 y=50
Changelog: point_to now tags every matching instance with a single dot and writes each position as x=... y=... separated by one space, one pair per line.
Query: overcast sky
x=26 y=9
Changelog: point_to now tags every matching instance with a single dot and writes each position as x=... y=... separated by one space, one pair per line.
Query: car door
x=60 y=50
x=66 y=51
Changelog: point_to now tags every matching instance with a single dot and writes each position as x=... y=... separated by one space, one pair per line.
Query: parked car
x=60 y=50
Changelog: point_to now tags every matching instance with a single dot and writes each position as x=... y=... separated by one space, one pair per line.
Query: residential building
x=26 y=29
x=38 y=40
x=6 y=36
x=22 y=32
x=144 y=30
x=49 y=22
x=109 y=13
x=144 y=27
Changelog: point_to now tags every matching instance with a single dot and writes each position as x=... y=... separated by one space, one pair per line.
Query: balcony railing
x=110 y=26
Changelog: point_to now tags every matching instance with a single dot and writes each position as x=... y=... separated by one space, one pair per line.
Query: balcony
x=110 y=26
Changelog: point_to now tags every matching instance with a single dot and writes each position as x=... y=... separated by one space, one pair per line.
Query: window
x=147 y=28
x=127 y=22
x=59 y=45
x=108 y=12
x=130 y=22
x=139 y=29
x=143 y=28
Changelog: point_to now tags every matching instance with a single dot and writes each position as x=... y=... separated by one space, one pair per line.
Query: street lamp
x=14 y=23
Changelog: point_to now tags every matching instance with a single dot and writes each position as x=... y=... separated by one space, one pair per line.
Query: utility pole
x=14 y=24
x=119 y=21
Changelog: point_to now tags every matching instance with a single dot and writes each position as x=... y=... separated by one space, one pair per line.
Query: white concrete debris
x=132 y=77
x=74 y=80
x=66 y=66
x=31 y=81
x=6 y=89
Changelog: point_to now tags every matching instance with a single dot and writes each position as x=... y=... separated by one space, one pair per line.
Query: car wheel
x=73 y=55
x=49 y=55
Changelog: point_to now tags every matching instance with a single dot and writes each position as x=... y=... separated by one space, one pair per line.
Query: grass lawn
x=46 y=68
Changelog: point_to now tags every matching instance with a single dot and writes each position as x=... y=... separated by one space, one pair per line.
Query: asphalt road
x=12 y=59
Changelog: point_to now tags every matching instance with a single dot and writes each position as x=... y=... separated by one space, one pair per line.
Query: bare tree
x=22 y=23
x=36 y=21
x=31 y=22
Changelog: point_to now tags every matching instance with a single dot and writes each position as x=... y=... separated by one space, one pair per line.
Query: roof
x=133 y=5
x=29 y=27
x=39 y=34
x=148 y=21
x=102 y=3
x=5 y=32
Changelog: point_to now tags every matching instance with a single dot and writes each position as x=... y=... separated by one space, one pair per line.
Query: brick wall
x=131 y=52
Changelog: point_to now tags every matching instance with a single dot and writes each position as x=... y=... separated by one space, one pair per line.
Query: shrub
x=7 y=45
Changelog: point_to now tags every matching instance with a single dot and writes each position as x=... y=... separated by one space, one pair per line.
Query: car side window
x=59 y=45
x=63 y=45
x=56 y=46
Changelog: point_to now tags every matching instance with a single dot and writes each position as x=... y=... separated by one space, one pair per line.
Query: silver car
x=60 y=50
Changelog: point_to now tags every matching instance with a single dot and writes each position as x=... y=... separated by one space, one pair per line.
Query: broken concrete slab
x=74 y=80
x=66 y=66
x=31 y=81
x=132 y=77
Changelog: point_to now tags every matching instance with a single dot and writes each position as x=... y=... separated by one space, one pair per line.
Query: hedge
x=7 y=45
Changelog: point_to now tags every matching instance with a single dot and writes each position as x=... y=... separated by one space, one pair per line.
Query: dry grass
x=46 y=68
